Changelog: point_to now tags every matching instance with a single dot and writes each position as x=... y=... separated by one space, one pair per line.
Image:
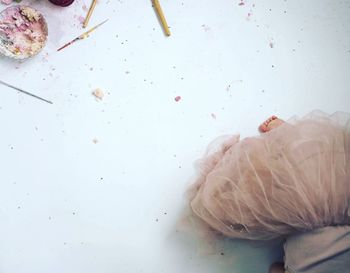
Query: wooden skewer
x=82 y=36
x=161 y=17
x=88 y=16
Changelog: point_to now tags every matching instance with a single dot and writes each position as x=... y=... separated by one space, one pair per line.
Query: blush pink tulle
x=293 y=178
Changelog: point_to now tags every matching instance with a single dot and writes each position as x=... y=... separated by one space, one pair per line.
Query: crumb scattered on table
x=98 y=93
x=205 y=28
x=177 y=98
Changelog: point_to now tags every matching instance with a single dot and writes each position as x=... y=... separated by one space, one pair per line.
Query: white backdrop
x=70 y=205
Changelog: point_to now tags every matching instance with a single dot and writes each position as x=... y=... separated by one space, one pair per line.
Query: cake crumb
x=95 y=140
x=98 y=93
x=31 y=14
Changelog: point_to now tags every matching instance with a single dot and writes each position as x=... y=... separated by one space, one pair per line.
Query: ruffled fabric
x=291 y=179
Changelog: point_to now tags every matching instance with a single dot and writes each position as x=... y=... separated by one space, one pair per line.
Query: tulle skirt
x=291 y=179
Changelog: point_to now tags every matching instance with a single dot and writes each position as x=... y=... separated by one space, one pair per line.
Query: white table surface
x=70 y=205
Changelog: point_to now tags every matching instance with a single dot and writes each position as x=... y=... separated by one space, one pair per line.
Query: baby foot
x=270 y=123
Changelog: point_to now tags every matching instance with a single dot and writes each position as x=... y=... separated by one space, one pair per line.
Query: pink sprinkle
x=213 y=115
x=81 y=19
x=84 y=7
x=177 y=98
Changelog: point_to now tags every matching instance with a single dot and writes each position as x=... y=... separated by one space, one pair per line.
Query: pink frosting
x=22 y=30
x=6 y=2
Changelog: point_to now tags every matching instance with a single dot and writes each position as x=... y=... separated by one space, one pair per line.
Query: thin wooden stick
x=88 y=16
x=82 y=36
x=161 y=17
